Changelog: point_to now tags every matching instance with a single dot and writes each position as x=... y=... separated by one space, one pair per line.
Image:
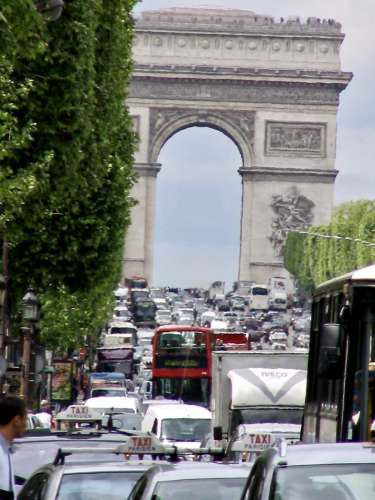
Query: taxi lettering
x=79 y=411
x=144 y=442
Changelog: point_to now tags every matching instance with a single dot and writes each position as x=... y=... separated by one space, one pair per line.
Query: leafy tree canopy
x=66 y=151
x=315 y=259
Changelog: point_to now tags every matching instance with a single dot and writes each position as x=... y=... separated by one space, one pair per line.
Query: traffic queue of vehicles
x=219 y=388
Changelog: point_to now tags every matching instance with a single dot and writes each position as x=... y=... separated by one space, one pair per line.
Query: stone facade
x=272 y=86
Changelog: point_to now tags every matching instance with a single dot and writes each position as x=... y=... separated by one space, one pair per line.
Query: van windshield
x=185 y=429
x=96 y=393
x=268 y=416
x=123 y=330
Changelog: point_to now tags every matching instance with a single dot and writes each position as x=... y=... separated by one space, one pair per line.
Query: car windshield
x=90 y=486
x=259 y=291
x=202 y=488
x=185 y=429
x=190 y=390
x=318 y=482
x=95 y=393
x=122 y=329
x=269 y=416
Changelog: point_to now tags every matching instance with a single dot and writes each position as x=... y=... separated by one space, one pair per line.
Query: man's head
x=13 y=417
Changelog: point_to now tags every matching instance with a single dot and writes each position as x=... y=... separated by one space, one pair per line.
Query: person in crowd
x=44 y=415
x=13 y=419
x=75 y=391
x=220 y=345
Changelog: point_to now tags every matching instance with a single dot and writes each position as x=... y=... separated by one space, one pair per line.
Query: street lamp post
x=30 y=315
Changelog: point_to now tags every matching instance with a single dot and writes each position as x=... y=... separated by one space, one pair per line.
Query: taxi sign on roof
x=79 y=413
x=143 y=445
x=253 y=442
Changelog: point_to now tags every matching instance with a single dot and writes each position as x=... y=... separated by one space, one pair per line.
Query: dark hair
x=10 y=407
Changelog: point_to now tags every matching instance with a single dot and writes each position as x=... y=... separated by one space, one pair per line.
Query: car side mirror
x=20 y=481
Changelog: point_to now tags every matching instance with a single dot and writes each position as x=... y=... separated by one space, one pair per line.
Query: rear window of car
x=204 y=489
x=94 y=485
x=321 y=482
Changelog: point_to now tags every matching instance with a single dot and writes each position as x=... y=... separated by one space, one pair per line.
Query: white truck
x=278 y=301
x=215 y=289
x=258 y=392
x=277 y=297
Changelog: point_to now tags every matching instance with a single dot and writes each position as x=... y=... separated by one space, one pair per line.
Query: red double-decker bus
x=181 y=364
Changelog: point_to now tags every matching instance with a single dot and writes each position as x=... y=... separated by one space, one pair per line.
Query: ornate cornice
x=278 y=174
x=235 y=21
x=175 y=70
x=147 y=169
x=267 y=264
x=238 y=91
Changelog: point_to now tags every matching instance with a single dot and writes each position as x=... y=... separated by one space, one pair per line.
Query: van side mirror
x=19 y=480
x=331 y=351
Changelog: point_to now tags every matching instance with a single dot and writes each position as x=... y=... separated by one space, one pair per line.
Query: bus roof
x=358 y=275
x=106 y=376
x=122 y=324
x=183 y=328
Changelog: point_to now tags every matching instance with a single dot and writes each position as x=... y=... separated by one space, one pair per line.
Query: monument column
x=246 y=236
x=139 y=243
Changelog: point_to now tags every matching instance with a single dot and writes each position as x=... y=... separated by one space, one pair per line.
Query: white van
x=182 y=425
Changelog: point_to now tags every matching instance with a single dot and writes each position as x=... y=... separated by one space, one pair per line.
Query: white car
x=120 y=404
x=163 y=317
x=279 y=337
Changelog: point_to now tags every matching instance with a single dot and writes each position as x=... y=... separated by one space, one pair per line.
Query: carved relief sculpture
x=289 y=139
x=292 y=211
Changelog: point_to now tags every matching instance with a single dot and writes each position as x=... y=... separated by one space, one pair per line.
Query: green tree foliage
x=313 y=260
x=69 y=163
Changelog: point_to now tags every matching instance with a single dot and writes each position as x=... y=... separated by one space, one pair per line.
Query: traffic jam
x=253 y=394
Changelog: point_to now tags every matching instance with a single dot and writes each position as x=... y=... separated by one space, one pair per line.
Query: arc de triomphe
x=272 y=86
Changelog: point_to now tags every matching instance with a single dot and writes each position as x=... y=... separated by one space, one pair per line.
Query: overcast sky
x=199 y=190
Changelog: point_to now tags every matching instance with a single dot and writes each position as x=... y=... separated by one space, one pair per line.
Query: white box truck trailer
x=258 y=391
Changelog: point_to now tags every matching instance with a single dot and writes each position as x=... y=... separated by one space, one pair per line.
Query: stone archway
x=272 y=87
x=238 y=126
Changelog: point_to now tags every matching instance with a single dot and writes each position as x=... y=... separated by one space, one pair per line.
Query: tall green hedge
x=67 y=180
x=313 y=259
